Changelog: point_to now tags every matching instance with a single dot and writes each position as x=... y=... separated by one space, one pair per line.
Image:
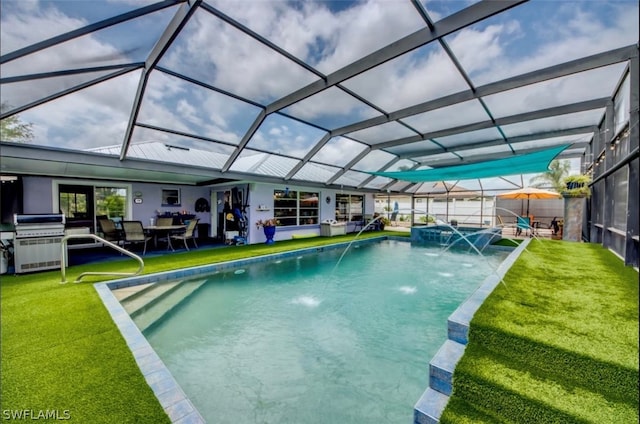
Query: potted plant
x=577 y=186
x=269 y=228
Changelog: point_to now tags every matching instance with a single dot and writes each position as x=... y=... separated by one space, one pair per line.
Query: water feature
x=296 y=342
x=378 y=218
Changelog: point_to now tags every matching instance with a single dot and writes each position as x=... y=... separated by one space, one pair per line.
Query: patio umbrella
x=529 y=193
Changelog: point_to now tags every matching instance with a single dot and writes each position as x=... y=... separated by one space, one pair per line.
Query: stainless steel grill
x=37 y=241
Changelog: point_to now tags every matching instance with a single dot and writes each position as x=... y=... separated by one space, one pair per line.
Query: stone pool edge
x=433 y=401
x=172 y=398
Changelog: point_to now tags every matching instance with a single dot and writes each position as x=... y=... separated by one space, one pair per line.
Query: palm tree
x=558 y=170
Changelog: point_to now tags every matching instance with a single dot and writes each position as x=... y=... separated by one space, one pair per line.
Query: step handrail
x=63 y=258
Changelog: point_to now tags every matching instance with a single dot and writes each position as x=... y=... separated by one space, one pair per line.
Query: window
x=171 y=197
x=295 y=208
x=76 y=201
x=349 y=207
x=308 y=208
x=83 y=201
x=110 y=201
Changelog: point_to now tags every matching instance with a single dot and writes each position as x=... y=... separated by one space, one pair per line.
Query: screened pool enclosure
x=335 y=94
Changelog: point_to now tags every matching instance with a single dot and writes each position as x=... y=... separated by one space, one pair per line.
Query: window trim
x=56 y=183
x=298 y=208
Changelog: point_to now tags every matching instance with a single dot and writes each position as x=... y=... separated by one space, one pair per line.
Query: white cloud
x=327 y=40
x=332 y=102
x=408 y=80
x=339 y=151
x=571 y=32
x=277 y=131
x=27 y=22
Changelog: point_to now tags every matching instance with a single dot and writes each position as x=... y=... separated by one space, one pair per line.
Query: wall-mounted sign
x=137 y=194
x=137 y=200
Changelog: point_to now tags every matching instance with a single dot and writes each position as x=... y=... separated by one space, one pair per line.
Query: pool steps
x=172 y=398
x=154 y=301
x=433 y=401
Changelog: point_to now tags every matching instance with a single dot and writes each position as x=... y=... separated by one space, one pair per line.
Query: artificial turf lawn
x=60 y=349
x=558 y=343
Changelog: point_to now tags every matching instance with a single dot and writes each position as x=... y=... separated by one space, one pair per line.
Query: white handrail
x=63 y=258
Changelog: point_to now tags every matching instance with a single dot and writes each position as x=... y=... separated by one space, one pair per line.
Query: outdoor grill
x=37 y=241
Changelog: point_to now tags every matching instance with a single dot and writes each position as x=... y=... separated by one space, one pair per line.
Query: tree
x=558 y=170
x=13 y=129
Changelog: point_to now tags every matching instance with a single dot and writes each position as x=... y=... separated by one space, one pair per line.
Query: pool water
x=304 y=341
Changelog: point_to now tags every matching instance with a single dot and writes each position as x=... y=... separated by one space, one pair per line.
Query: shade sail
x=528 y=163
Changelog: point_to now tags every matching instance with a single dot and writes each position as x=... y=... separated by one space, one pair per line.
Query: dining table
x=163 y=230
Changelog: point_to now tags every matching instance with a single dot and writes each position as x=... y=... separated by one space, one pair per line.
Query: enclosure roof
x=316 y=93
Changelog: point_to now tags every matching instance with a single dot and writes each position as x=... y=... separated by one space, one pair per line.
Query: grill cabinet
x=37 y=241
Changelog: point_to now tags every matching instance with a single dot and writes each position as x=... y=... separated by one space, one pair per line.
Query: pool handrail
x=63 y=258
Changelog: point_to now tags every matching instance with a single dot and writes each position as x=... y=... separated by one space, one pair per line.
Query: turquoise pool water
x=303 y=341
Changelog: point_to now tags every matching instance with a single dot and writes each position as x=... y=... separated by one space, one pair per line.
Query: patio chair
x=522 y=224
x=163 y=236
x=161 y=222
x=187 y=234
x=134 y=234
x=109 y=231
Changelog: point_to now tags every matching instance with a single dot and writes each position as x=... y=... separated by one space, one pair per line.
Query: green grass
x=60 y=350
x=558 y=343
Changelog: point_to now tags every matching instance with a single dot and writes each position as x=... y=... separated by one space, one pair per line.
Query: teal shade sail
x=528 y=163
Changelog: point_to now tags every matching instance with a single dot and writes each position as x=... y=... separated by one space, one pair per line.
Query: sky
x=326 y=36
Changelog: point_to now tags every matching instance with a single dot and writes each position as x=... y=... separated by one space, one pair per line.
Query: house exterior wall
x=37 y=195
x=40 y=196
x=262 y=195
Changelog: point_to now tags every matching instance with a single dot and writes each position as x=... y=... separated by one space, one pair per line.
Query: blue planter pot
x=269 y=232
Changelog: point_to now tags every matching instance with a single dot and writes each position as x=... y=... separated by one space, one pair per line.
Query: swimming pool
x=302 y=340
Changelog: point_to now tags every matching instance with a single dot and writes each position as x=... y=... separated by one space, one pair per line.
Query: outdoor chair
x=522 y=224
x=134 y=234
x=109 y=231
x=163 y=236
x=161 y=222
x=187 y=234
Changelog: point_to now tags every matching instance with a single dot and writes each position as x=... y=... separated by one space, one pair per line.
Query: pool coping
x=433 y=401
x=172 y=398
